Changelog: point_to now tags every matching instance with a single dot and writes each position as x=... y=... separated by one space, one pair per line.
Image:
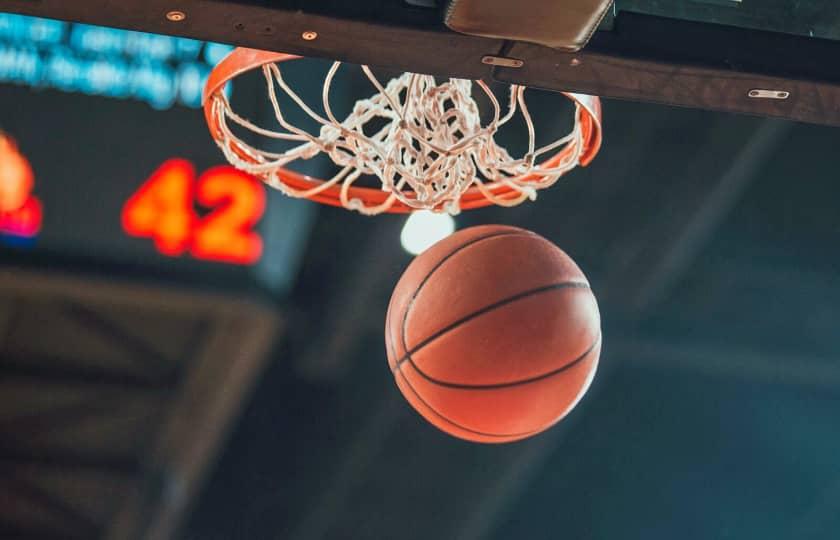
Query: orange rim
x=242 y=60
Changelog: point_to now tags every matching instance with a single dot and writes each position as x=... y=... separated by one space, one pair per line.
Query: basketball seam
x=440 y=263
x=456 y=424
x=486 y=309
x=399 y=373
x=457 y=250
x=482 y=311
x=407 y=311
x=499 y=436
x=462 y=386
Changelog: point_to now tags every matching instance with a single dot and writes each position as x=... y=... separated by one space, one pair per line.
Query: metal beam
x=671 y=261
x=98 y=404
x=663 y=60
x=351 y=312
x=223 y=370
x=11 y=529
x=682 y=217
x=220 y=362
x=11 y=457
x=50 y=504
x=144 y=354
x=44 y=369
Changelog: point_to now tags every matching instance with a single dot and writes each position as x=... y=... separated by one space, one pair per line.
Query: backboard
x=765 y=57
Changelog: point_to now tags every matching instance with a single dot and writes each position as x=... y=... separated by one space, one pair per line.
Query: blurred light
x=21 y=212
x=163 y=209
x=159 y=70
x=23 y=28
x=215 y=52
x=425 y=228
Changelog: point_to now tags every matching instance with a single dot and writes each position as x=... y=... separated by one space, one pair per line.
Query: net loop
x=431 y=151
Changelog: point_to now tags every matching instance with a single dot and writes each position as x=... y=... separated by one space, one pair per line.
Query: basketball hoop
x=432 y=152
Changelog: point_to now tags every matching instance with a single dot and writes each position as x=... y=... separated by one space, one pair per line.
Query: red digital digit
x=162 y=208
x=238 y=202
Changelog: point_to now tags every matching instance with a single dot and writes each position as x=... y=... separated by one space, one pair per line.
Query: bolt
x=309 y=35
x=176 y=16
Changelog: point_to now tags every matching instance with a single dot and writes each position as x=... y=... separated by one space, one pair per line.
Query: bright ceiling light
x=423 y=229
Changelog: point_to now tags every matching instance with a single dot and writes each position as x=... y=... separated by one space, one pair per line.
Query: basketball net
x=430 y=150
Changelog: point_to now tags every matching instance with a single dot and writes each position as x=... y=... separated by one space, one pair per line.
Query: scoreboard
x=115 y=173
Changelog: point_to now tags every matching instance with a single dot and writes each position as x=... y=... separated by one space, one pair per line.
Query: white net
x=431 y=147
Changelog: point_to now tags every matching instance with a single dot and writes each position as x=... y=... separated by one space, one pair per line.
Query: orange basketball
x=493 y=334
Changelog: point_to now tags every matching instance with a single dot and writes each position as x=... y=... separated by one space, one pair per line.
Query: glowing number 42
x=163 y=210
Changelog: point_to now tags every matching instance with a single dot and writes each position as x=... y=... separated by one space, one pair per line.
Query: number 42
x=163 y=209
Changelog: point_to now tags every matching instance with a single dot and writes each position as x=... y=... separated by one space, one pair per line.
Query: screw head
x=574 y=62
x=309 y=35
x=754 y=93
x=176 y=16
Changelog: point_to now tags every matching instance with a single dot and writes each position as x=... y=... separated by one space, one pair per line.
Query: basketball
x=493 y=334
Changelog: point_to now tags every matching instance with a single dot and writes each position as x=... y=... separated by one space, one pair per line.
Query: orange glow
x=163 y=209
x=16 y=178
x=21 y=212
x=226 y=234
x=24 y=222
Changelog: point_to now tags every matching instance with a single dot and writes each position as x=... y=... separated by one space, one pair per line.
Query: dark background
x=709 y=239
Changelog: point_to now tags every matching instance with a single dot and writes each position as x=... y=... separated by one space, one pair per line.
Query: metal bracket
x=502 y=61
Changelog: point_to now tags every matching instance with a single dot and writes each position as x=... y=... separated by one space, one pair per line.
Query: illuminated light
x=423 y=229
x=62 y=72
x=187 y=49
x=97 y=39
x=154 y=84
x=47 y=30
x=215 y=52
x=191 y=79
x=25 y=222
x=107 y=78
x=163 y=210
x=159 y=70
x=16 y=177
x=21 y=212
x=20 y=65
x=226 y=234
x=21 y=27
x=149 y=46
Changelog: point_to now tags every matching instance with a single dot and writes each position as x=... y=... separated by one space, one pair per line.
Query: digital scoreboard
x=107 y=162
